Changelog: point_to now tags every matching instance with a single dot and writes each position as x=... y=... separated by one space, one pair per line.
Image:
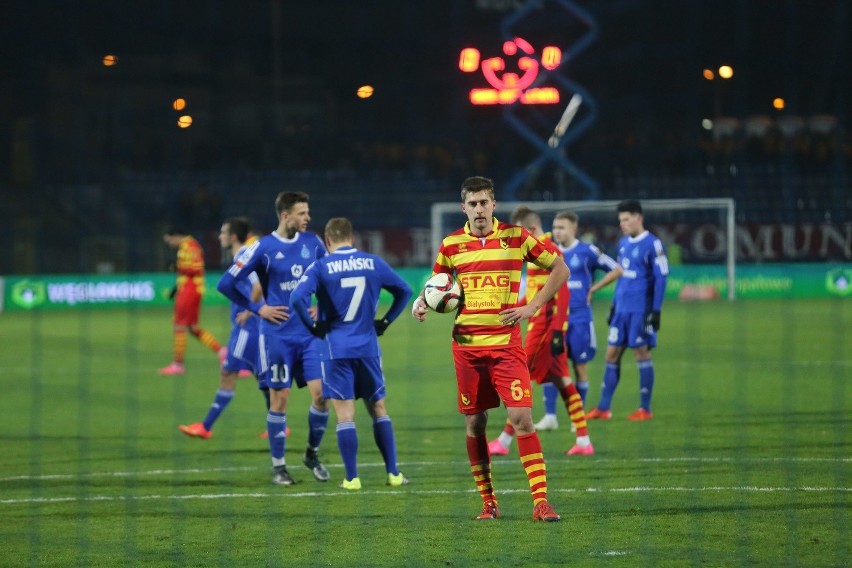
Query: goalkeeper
x=635 y=315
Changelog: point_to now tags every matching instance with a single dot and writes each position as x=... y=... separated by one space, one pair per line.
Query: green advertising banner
x=102 y=291
x=686 y=282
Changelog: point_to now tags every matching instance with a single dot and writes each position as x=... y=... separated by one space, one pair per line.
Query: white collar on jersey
x=284 y=239
x=570 y=247
x=344 y=250
x=638 y=237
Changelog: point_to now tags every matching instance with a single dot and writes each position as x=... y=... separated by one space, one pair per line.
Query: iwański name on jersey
x=350 y=264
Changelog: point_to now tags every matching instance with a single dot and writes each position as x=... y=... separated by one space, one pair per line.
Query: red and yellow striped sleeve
x=190 y=264
x=554 y=314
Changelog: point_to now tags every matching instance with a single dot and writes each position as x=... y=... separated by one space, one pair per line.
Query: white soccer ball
x=442 y=293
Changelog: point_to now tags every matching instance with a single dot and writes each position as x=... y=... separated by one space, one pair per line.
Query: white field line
x=28 y=371
x=293 y=495
x=288 y=494
x=188 y=471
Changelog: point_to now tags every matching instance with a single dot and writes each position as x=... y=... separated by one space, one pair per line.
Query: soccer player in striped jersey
x=545 y=345
x=347 y=284
x=635 y=314
x=245 y=332
x=289 y=354
x=187 y=294
x=582 y=259
x=487 y=257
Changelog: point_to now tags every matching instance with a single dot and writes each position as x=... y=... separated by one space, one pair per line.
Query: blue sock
x=385 y=441
x=276 y=422
x=612 y=374
x=550 y=394
x=347 y=443
x=583 y=389
x=317 y=423
x=223 y=397
x=646 y=383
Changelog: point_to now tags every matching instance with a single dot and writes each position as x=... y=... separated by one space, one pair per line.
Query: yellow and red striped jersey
x=489 y=272
x=190 y=264
x=554 y=314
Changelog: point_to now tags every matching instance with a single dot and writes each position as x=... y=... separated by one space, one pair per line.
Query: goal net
x=695 y=231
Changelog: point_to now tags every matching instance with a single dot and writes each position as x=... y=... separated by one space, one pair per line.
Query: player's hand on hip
x=275 y=314
x=319 y=329
x=419 y=309
x=381 y=325
x=242 y=317
x=557 y=343
x=653 y=319
x=511 y=316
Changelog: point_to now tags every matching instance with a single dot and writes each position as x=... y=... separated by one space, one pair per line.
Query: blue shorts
x=581 y=341
x=629 y=330
x=287 y=358
x=242 y=350
x=350 y=379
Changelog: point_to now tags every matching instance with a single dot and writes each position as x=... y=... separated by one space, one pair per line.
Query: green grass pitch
x=747 y=461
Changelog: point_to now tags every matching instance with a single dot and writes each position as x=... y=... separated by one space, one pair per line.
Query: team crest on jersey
x=462 y=247
x=504 y=244
x=635 y=253
x=296 y=270
x=305 y=252
x=574 y=261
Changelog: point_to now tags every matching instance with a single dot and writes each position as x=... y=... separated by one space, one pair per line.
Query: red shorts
x=487 y=376
x=542 y=364
x=187 y=306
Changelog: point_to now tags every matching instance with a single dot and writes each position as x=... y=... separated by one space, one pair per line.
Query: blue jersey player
x=635 y=313
x=288 y=352
x=242 y=354
x=347 y=284
x=583 y=259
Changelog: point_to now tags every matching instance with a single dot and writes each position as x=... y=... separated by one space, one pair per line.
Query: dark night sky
x=644 y=67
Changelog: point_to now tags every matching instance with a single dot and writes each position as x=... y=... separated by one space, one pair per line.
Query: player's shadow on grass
x=800 y=418
x=430 y=427
x=744 y=507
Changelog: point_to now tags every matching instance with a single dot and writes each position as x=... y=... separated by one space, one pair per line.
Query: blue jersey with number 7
x=347 y=284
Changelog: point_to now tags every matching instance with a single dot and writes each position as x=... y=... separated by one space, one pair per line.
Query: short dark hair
x=247 y=220
x=476 y=183
x=174 y=230
x=524 y=216
x=287 y=199
x=338 y=229
x=630 y=206
x=238 y=227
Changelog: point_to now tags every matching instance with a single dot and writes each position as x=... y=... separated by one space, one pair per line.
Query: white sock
x=505 y=439
x=278 y=461
x=583 y=441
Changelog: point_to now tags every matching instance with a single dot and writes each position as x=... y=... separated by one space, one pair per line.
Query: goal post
x=599 y=219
